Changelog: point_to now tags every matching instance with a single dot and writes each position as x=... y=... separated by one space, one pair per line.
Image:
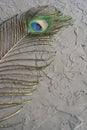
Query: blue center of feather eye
x=36 y=26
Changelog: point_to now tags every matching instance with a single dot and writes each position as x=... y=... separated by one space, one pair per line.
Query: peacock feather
x=26 y=48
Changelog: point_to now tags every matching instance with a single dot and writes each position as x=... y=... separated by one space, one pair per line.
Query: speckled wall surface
x=60 y=101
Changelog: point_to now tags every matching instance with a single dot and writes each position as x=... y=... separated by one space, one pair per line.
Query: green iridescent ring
x=39 y=24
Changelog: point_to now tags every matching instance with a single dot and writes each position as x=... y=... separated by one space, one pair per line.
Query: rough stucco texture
x=60 y=101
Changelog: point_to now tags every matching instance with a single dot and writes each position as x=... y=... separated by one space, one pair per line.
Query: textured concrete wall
x=60 y=102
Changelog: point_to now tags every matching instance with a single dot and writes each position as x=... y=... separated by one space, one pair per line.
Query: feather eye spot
x=38 y=26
